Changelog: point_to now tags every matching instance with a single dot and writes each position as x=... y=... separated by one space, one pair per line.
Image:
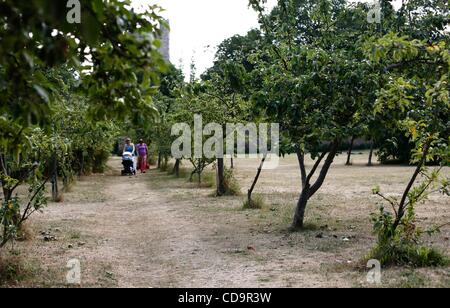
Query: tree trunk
x=371 y=154
x=166 y=160
x=232 y=163
x=350 y=150
x=301 y=162
x=65 y=179
x=195 y=170
x=55 y=191
x=299 y=216
x=250 y=191
x=310 y=190
x=220 y=177
x=201 y=167
x=3 y=164
x=159 y=160
x=176 y=168
x=7 y=194
x=403 y=202
x=81 y=163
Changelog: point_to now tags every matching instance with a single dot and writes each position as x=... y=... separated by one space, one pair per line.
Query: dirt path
x=128 y=234
x=151 y=241
x=154 y=242
x=150 y=231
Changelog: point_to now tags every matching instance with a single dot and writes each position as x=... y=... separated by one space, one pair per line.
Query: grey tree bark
x=255 y=181
x=310 y=189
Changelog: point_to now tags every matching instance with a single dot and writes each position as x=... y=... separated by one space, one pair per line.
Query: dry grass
x=158 y=231
x=22 y=269
x=256 y=203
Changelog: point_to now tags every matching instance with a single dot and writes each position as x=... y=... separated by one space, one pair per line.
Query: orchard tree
x=233 y=63
x=113 y=53
x=232 y=80
x=90 y=139
x=194 y=108
x=424 y=20
x=225 y=88
x=417 y=94
x=167 y=103
x=317 y=77
x=33 y=160
x=117 y=45
x=315 y=81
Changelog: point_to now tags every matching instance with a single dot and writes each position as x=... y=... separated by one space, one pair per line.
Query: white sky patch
x=198 y=26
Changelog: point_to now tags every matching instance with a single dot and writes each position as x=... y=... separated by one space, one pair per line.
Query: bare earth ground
x=157 y=231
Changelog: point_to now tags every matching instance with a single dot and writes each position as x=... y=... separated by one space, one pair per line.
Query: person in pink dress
x=142 y=150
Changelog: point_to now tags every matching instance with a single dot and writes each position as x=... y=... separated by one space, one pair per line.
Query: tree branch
x=250 y=191
x=27 y=208
x=268 y=32
x=408 y=62
x=325 y=168
x=390 y=201
x=301 y=162
x=402 y=206
x=316 y=165
x=3 y=164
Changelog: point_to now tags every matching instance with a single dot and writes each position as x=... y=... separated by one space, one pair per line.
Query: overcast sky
x=198 y=26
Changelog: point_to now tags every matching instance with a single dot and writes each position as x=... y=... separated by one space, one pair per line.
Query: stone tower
x=165 y=42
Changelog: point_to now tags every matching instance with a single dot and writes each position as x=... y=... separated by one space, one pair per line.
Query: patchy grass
x=68 y=188
x=183 y=173
x=12 y=269
x=208 y=179
x=256 y=203
x=87 y=190
x=25 y=233
x=106 y=276
x=75 y=235
x=164 y=167
x=169 y=168
x=412 y=279
x=17 y=270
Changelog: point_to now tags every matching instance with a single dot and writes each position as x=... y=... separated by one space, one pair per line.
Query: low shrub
x=408 y=254
x=232 y=187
